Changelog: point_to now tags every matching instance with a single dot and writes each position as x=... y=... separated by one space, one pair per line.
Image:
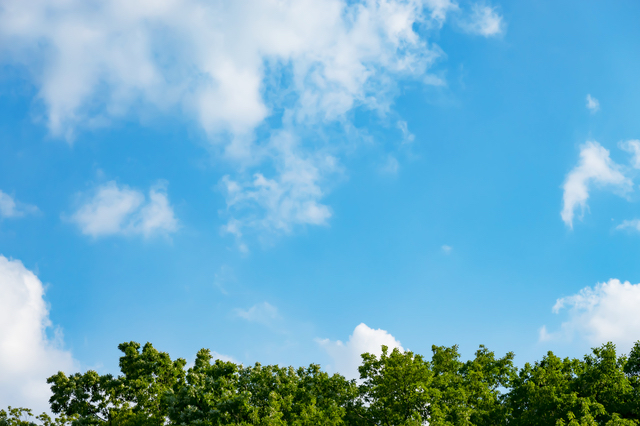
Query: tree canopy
x=397 y=388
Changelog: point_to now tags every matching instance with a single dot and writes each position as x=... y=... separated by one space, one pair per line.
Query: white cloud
x=633 y=147
x=10 y=208
x=346 y=356
x=230 y=65
x=391 y=166
x=290 y=198
x=263 y=313
x=592 y=104
x=407 y=136
x=446 y=249
x=607 y=312
x=122 y=210
x=484 y=21
x=630 y=224
x=27 y=354
x=595 y=167
x=223 y=357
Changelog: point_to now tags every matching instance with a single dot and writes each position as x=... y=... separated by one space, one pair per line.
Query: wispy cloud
x=223 y=278
x=113 y=210
x=632 y=147
x=633 y=224
x=595 y=167
x=446 y=249
x=27 y=355
x=290 y=198
x=347 y=356
x=592 y=104
x=391 y=166
x=10 y=208
x=262 y=313
x=484 y=20
x=606 y=312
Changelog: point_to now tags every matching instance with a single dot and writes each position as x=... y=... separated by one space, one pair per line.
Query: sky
x=295 y=182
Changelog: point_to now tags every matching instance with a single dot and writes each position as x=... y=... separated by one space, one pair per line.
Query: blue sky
x=261 y=178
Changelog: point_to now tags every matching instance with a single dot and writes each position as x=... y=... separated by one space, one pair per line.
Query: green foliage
x=601 y=389
x=397 y=388
x=24 y=417
x=223 y=393
x=136 y=398
x=469 y=393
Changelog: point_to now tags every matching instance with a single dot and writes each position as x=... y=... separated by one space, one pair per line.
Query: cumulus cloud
x=595 y=167
x=592 y=104
x=230 y=65
x=114 y=209
x=10 y=208
x=484 y=21
x=606 y=312
x=263 y=313
x=346 y=356
x=27 y=354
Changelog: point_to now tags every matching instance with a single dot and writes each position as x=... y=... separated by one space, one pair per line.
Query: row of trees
x=396 y=388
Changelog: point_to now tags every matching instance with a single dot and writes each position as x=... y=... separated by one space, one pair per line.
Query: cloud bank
x=211 y=58
x=346 y=356
x=287 y=67
x=28 y=355
x=606 y=312
x=120 y=210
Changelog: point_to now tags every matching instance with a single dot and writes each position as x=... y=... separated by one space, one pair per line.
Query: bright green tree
x=136 y=398
x=224 y=393
x=395 y=389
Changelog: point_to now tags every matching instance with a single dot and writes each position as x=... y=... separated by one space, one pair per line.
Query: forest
x=395 y=388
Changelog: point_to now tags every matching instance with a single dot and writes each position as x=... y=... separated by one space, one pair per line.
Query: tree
x=23 y=416
x=483 y=378
x=601 y=389
x=224 y=393
x=395 y=389
x=543 y=393
x=136 y=398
